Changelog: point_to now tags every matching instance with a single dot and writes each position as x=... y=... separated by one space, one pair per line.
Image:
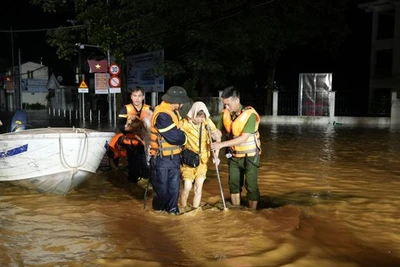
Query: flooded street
x=329 y=197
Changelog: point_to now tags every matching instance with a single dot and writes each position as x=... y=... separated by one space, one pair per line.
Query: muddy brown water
x=330 y=197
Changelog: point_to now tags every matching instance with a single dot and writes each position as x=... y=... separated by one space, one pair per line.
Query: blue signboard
x=145 y=70
x=34 y=85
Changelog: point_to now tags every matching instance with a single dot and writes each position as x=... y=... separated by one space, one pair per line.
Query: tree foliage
x=208 y=44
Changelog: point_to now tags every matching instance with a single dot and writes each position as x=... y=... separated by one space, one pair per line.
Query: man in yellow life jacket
x=131 y=123
x=241 y=124
x=166 y=139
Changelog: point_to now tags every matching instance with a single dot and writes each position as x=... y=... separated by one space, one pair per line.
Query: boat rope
x=83 y=150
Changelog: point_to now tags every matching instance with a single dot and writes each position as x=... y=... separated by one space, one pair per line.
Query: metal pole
x=216 y=168
x=80 y=79
x=154 y=100
x=19 y=103
x=115 y=108
x=12 y=71
x=109 y=94
x=83 y=107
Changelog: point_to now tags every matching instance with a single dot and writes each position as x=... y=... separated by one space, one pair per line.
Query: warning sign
x=83 y=85
x=83 y=88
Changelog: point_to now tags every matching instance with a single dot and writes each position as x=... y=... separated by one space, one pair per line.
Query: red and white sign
x=114 y=69
x=115 y=81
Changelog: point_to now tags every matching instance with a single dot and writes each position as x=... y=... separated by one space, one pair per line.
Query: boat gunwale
x=53 y=133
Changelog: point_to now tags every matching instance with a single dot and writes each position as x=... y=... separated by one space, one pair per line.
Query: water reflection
x=329 y=198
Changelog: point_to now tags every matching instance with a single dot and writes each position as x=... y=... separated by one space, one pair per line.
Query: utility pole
x=13 y=68
x=81 y=78
x=18 y=92
x=109 y=94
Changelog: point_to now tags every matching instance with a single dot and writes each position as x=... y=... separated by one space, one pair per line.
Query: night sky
x=28 y=23
x=350 y=67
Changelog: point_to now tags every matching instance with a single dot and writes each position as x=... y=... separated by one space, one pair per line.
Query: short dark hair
x=137 y=88
x=230 y=91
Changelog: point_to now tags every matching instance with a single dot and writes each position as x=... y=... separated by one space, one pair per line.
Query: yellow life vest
x=158 y=145
x=234 y=128
x=132 y=139
x=192 y=133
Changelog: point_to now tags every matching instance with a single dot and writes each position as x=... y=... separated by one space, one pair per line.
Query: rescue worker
x=241 y=124
x=166 y=139
x=138 y=167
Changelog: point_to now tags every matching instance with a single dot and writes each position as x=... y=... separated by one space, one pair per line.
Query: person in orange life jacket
x=241 y=124
x=166 y=139
x=133 y=137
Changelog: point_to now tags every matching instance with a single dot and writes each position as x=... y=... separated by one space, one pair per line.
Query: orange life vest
x=132 y=139
x=115 y=150
x=234 y=128
x=158 y=145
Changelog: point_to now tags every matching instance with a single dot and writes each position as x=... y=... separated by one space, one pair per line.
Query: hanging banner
x=101 y=83
x=314 y=89
x=97 y=65
x=146 y=70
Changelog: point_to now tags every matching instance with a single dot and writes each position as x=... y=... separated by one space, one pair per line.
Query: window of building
x=383 y=67
x=386 y=25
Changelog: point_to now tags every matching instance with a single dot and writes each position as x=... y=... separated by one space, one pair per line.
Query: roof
x=380 y=5
x=58 y=83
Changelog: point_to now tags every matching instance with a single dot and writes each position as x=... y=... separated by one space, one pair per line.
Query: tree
x=209 y=44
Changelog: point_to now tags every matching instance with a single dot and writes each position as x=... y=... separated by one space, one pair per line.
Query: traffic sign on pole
x=114 y=81
x=114 y=69
x=83 y=88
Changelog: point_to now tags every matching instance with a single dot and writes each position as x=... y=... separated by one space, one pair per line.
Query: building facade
x=25 y=85
x=385 y=47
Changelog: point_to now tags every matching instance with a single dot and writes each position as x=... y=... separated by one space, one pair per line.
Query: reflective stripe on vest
x=158 y=145
x=249 y=148
x=252 y=145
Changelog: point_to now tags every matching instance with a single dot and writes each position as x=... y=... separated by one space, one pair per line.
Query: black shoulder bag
x=191 y=158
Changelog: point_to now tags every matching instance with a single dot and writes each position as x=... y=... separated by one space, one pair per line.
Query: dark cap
x=176 y=95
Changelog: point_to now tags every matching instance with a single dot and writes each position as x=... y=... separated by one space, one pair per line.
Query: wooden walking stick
x=216 y=168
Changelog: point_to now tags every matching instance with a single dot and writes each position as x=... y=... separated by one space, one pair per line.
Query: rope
x=82 y=152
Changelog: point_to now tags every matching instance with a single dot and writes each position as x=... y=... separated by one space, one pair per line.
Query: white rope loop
x=83 y=150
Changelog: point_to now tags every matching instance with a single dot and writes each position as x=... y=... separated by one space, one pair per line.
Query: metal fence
x=347 y=103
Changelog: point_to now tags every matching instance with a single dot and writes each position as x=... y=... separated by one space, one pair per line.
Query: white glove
x=216 y=161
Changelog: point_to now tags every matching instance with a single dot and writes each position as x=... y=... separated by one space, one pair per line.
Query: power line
x=41 y=30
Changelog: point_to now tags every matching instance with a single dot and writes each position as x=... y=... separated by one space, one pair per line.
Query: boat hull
x=51 y=160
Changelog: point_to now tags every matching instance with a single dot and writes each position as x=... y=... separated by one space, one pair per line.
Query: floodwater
x=330 y=197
